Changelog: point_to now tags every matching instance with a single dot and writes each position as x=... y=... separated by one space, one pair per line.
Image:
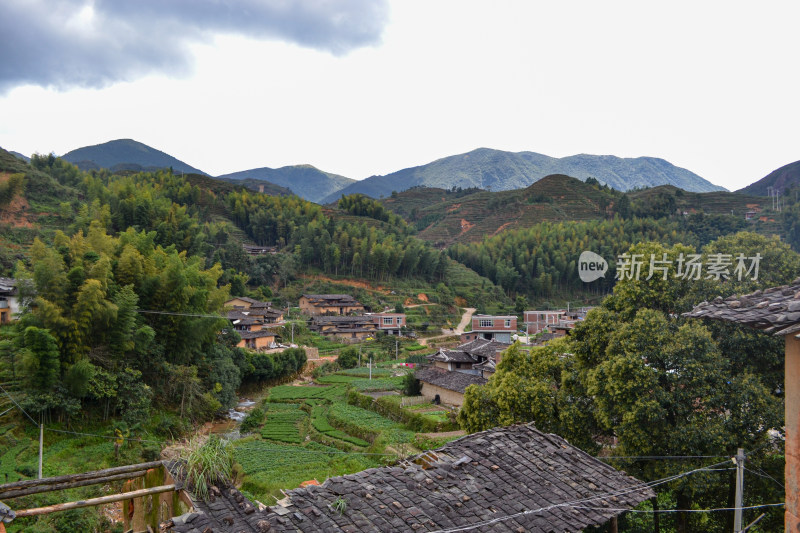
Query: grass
x=270 y=468
x=208 y=464
x=283 y=423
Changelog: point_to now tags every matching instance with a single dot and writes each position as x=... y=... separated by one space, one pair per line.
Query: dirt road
x=465 y=320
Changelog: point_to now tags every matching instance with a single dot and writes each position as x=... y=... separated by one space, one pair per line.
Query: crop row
x=367 y=385
x=319 y=420
x=283 y=425
x=290 y=392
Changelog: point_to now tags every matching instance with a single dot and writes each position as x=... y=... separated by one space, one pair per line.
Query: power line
x=20 y=408
x=104 y=436
x=653 y=511
x=152 y=312
x=654 y=457
x=575 y=503
x=765 y=476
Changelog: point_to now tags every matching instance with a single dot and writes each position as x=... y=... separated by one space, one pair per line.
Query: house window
x=387 y=321
x=508 y=322
x=486 y=323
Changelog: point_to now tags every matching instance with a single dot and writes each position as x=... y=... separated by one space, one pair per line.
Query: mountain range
x=498 y=170
x=126 y=154
x=483 y=168
x=780 y=179
x=306 y=181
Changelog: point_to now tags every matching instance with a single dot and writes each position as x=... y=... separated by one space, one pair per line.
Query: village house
x=538 y=321
x=447 y=387
x=389 y=323
x=9 y=303
x=499 y=328
x=344 y=327
x=248 y=317
x=469 y=356
x=331 y=304
x=504 y=480
x=776 y=311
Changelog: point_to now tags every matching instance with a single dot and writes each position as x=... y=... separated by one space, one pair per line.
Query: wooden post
x=95 y=501
x=41 y=447
x=70 y=484
x=792 y=421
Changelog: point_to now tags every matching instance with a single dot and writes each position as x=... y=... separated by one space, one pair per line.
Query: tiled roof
x=454 y=356
x=226 y=510
x=245 y=335
x=340 y=320
x=774 y=310
x=247 y=299
x=8 y=285
x=454 y=381
x=336 y=297
x=263 y=311
x=236 y=314
x=246 y=321
x=259 y=305
x=483 y=347
x=511 y=479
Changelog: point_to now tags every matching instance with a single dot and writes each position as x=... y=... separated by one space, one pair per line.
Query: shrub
x=252 y=421
x=208 y=464
x=411 y=385
x=348 y=358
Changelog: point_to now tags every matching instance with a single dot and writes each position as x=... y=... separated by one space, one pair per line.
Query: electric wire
x=575 y=503
x=18 y=405
x=765 y=476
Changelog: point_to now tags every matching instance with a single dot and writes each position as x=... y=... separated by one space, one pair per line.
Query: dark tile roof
x=510 y=479
x=340 y=320
x=8 y=286
x=490 y=365
x=452 y=356
x=226 y=510
x=774 y=310
x=484 y=348
x=260 y=305
x=454 y=381
x=255 y=334
x=236 y=314
x=263 y=311
x=334 y=297
x=247 y=299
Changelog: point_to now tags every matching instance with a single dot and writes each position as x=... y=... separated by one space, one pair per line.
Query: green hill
x=125 y=154
x=498 y=170
x=445 y=217
x=306 y=181
x=780 y=179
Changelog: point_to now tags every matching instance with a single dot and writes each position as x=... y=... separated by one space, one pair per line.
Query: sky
x=367 y=87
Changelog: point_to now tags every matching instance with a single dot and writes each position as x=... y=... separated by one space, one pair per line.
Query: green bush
x=252 y=421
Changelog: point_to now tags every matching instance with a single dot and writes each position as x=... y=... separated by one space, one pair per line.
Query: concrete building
x=490 y=327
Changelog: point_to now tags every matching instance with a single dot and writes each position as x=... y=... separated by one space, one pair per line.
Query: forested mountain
x=780 y=179
x=498 y=170
x=306 y=181
x=125 y=154
x=447 y=216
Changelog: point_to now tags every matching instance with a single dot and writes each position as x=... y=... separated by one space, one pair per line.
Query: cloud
x=93 y=43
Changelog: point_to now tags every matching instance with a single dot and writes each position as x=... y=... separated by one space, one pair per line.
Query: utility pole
x=41 y=446
x=370 y=366
x=292 y=332
x=359 y=355
x=737 y=514
x=396 y=347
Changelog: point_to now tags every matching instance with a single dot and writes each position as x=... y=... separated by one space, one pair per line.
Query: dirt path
x=465 y=320
x=458 y=433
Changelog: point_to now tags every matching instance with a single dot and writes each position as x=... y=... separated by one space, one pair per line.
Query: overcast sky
x=366 y=87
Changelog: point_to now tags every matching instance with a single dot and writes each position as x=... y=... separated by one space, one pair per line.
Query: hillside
x=125 y=154
x=445 y=217
x=267 y=187
x=498 y=170
x=781 y=179
x=306 y=181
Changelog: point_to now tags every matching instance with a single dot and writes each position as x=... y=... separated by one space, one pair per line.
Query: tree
x=348 y=357
x=40 y=359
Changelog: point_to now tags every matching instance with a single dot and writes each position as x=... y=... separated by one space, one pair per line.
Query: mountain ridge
x=781 y=178
x=491 y=169
x=307 y=181
x=125 y=154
